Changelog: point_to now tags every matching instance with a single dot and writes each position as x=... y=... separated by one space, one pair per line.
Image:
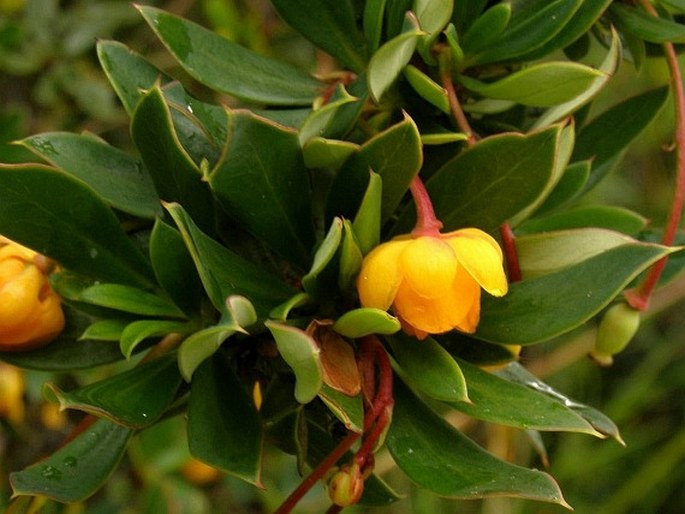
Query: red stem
x=455 y=107
x=510 y=253
x=639 y=297
x=427 y=224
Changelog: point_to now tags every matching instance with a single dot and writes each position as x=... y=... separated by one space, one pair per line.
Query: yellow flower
x=433 y=282
x=31 y=314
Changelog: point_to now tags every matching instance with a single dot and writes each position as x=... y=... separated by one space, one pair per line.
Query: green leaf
x=129 y=73
x=105 y=330
x=67 y=221
x=395 y=155
x=174 y=268
x=486 y=29
x=331 y=26
x=224 y=273
x=200 y=346
x=650 y=28
x=540 y=85
x=544 y=307
x=227 y=67
x=389 y=60
x=267 y=192
x=427 y=88
x=350 y=258
x=501 y=401
x=569 y=186
x=78 y=469
x=320 y=119
x=613 y=130
x=175 y=175
x=607 y=67
x=113 y=174
x=137 y=331
x=678 y=5
x=224 y=429
x=282 y=311
x=128 y=299
x=474 y=189
x=322 y=258
x=69 y=351
x=428 y=367
x=327 y=153
x=373 y=23
x=597 y=216
x=301 y=353
x=548 y=252
x=135 y=398
x=533 y=23
x=433 y=16
x=421 y=442
x=365 y=321
x=367 y=220
x=348 y=409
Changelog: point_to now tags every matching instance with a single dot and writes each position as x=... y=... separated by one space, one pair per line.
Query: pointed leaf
x=78 y=469
x=367 y=221
x=571 y=183
x=135 y=398
x=224 y=429
x=438 y=457
x=327 y=153
x=67 y=221
x=301 y=353
x=348 y=409
x=113 y=174
x=105 y=330
x=430 y=368
x=544 y=307
x=427 y=88
x=200 y=346
x=331 y=26
x=227 y=67
x=318 y=121
x=593 y=216
x=267 y=192
x=350 y=258
x=323 y=257
x=128 y=299
x=136 y=332
x=650 y=28
x=365 y=321
x=484 y=31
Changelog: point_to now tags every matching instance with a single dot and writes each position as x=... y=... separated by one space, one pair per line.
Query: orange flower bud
x=30 y=313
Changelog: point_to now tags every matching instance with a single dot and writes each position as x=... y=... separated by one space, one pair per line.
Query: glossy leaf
x=421 y=442
x=389 y=60
x=176 y=177
x=128 y=299
x=134 y=398
x=350 y=258
x=598 y=216
x=137 y=331
x=373 y=23
x=114 y=175
x=312 y=281
x=129 y=74
x=327 y=153
x=570 y=185
x=544 y=307
x=367 y=220
x=331 y=26
x=395 y=154
x=607 y=67
x=227 y=67
x=105 y=330
x=301 y=353
x=224 y=429
x=282 y=311
x=224 y=273
x=433 y=16
x=318 y=121
x=200 y=346
x=67 y=221
x=429 y=368
x=267 y=192
x=348 y=409
x=547 y=252
x=473 y=189
x=486 y=29
x=427 y=88
x=540 y=85
x=650 y=28
x=501 y=401
x=78 y=469
x=174 y=268
x=365 y=321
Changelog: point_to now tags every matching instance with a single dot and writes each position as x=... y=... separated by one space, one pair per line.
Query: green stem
x=639 y=297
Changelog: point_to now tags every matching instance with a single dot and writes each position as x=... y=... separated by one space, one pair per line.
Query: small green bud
x=616 y=330
x=346 y=486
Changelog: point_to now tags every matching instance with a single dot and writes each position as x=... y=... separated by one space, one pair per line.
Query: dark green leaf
x=438 y=457
x=224 y=429
x=176 y=177
x=267 y=192
x=129 y=73
x=224 y=273
x=137 y=331
x=650 y=28
x=348 y=409
x=486 y=29
x=476 y=187
x=569 y=186
x=78 y=469
x=544 y=307
x=134 y=398
x=367 y=220
x=227 y=67
x=331 y=26
x=200 y=346
x=373 y=23
x=113 y=174
x=598 y=216
x=128 y=299
x=66 y=220
x=313 y=281
x=105 y=330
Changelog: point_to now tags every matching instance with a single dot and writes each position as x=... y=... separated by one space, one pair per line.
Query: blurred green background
x=50 y=80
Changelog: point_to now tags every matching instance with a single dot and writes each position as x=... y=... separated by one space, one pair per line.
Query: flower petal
x=480 y=254
x=380 y=276
x=429 y=266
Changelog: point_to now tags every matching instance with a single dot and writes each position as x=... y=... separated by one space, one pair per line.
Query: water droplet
x=51 y=473
x=70 y=462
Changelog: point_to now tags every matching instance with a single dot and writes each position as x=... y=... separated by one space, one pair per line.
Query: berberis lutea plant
x=333 y=261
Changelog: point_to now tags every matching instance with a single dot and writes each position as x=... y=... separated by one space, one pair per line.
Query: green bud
x=616 y=330
x=346 y=486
